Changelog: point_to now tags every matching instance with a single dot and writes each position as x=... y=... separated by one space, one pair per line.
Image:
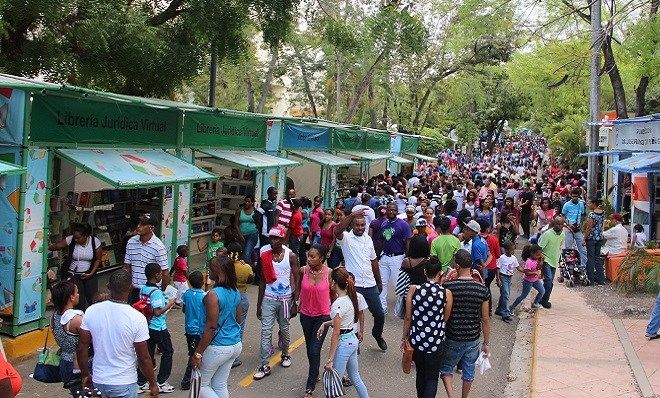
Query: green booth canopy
x=366 y=156
x=134 y=168
x=10 y=169
x=422 y=157
x=251 y=160
x=400 y=160
x=324 y=158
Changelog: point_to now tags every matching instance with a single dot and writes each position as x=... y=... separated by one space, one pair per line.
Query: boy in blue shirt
x=158 y=333
x=193 y=308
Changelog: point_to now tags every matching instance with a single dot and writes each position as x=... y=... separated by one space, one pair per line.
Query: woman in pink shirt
x=314 y=308
x=315 y=219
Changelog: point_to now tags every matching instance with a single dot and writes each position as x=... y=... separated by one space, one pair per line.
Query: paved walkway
x=582 y=352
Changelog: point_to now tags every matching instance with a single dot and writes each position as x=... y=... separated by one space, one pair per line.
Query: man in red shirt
x=283 y=209
x=492 y=272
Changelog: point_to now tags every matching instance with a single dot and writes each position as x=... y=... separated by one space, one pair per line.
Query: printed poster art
x=33 y=259
x=185 y=192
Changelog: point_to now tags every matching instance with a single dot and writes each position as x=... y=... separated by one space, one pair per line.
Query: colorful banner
x=218 y=130
x=9 y=208
x=348 y=139
x=301 y=136
x=183 y=206
x=378 y=142
x=135 y=168
x=32 y=253
x=167 y=224
x=66 y=120
x=12 y=116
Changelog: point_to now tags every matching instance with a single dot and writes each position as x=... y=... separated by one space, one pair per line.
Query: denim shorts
x=463 y=352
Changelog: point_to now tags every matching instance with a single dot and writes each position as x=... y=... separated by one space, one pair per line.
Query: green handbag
x=47 y=369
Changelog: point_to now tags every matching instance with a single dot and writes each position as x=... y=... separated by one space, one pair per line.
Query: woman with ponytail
x=342 y=355
x=244 y=276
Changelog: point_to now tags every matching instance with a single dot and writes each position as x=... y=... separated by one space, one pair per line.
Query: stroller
x=571 y=270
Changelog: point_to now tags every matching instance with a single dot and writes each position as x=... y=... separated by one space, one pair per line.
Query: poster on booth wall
x=32 y=261
x=167 y=224
x=9 y=207
x=12 y=115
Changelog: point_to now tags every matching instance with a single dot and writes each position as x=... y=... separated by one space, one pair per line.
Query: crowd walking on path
x=439 y=236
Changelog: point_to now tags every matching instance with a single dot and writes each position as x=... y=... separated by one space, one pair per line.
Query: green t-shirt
x=552 y=243
x=212 y=248
x=444 y=247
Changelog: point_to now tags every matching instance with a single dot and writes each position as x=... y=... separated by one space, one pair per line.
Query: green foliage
x=640 y=270
x=136 y=47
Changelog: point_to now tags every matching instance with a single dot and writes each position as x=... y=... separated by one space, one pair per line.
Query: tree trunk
x=337 y=87
x=372 y=109
x=385 y=120
x=615 y=79
x=359 y=90
x=426 y=117
x=250 y=94
x=265 y=88
x=308 y=91
x=640 y=96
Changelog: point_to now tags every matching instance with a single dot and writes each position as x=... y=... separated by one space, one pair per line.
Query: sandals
x=309 y=393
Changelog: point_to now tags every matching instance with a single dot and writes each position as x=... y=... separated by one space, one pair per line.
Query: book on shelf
x=84 y=199
x=105 y=238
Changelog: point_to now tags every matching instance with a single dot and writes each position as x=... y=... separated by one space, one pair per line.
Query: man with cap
x=616 y=236
x=142 y=249
x=409 y=216
x=278 y=298
x=369 y=213
x=478 y=247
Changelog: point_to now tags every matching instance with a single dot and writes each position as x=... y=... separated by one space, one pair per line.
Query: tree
x=122 y=46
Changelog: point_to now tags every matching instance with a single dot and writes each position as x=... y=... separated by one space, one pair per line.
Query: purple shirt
x=394 y=234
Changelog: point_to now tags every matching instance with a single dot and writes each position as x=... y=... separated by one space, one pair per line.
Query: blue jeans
x=427 y=369
x=121 y=391
x=653 y=327
x=316 y=238
x=336 y=257
x=548 y=278
x=579 y=238
x=527 y=287
x=372 y=297
x=310 y=326
x=346 y=360
x=505 y=291
x=461 y=353
x=68 y=377
x=248 y=247
x=595 y=270
x=215 y=367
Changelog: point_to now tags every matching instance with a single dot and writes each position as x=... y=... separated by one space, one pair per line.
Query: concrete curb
x=634 y=362
x=522 y=358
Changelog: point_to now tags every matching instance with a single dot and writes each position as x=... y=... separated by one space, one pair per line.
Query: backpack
x=143 y=305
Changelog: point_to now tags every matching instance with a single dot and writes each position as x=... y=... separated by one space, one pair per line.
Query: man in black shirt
x=267 y=215
x=526 y=202
x=469 y=315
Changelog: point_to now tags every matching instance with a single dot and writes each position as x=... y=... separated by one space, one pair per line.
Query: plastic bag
x=195 y=384
x=483 y=364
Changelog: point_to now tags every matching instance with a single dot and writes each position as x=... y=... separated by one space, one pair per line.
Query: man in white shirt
x=369 y=213
x=360 y=259
x=119 y=334
x=142 y=249
x=616 y=236
x=459 y=195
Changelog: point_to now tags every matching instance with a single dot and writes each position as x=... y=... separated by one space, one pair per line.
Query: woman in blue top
x=247 y=228
x=220 y=344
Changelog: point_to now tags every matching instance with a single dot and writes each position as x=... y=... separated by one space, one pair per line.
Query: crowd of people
x=438 y=237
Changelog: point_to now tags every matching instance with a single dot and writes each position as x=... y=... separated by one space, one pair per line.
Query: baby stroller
x=570 y=268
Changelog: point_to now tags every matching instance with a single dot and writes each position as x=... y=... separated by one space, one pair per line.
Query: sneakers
x=381 y=343
x=143 y=387
x=507 y=319
x=346 y=381
x=286 y=361
x=536 y=306
x=262 y=371
x=237 y=363
x=165 y=388
x=546 y=304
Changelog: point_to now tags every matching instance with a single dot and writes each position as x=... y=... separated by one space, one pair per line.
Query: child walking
x=180 y=271
x=193 y=308
x=214 y=245
x=533 y=257
x=244 y=276
x=159 y=336
x=507 y=263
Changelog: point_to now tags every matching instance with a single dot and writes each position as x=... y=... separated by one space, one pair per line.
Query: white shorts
x=181 y=288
